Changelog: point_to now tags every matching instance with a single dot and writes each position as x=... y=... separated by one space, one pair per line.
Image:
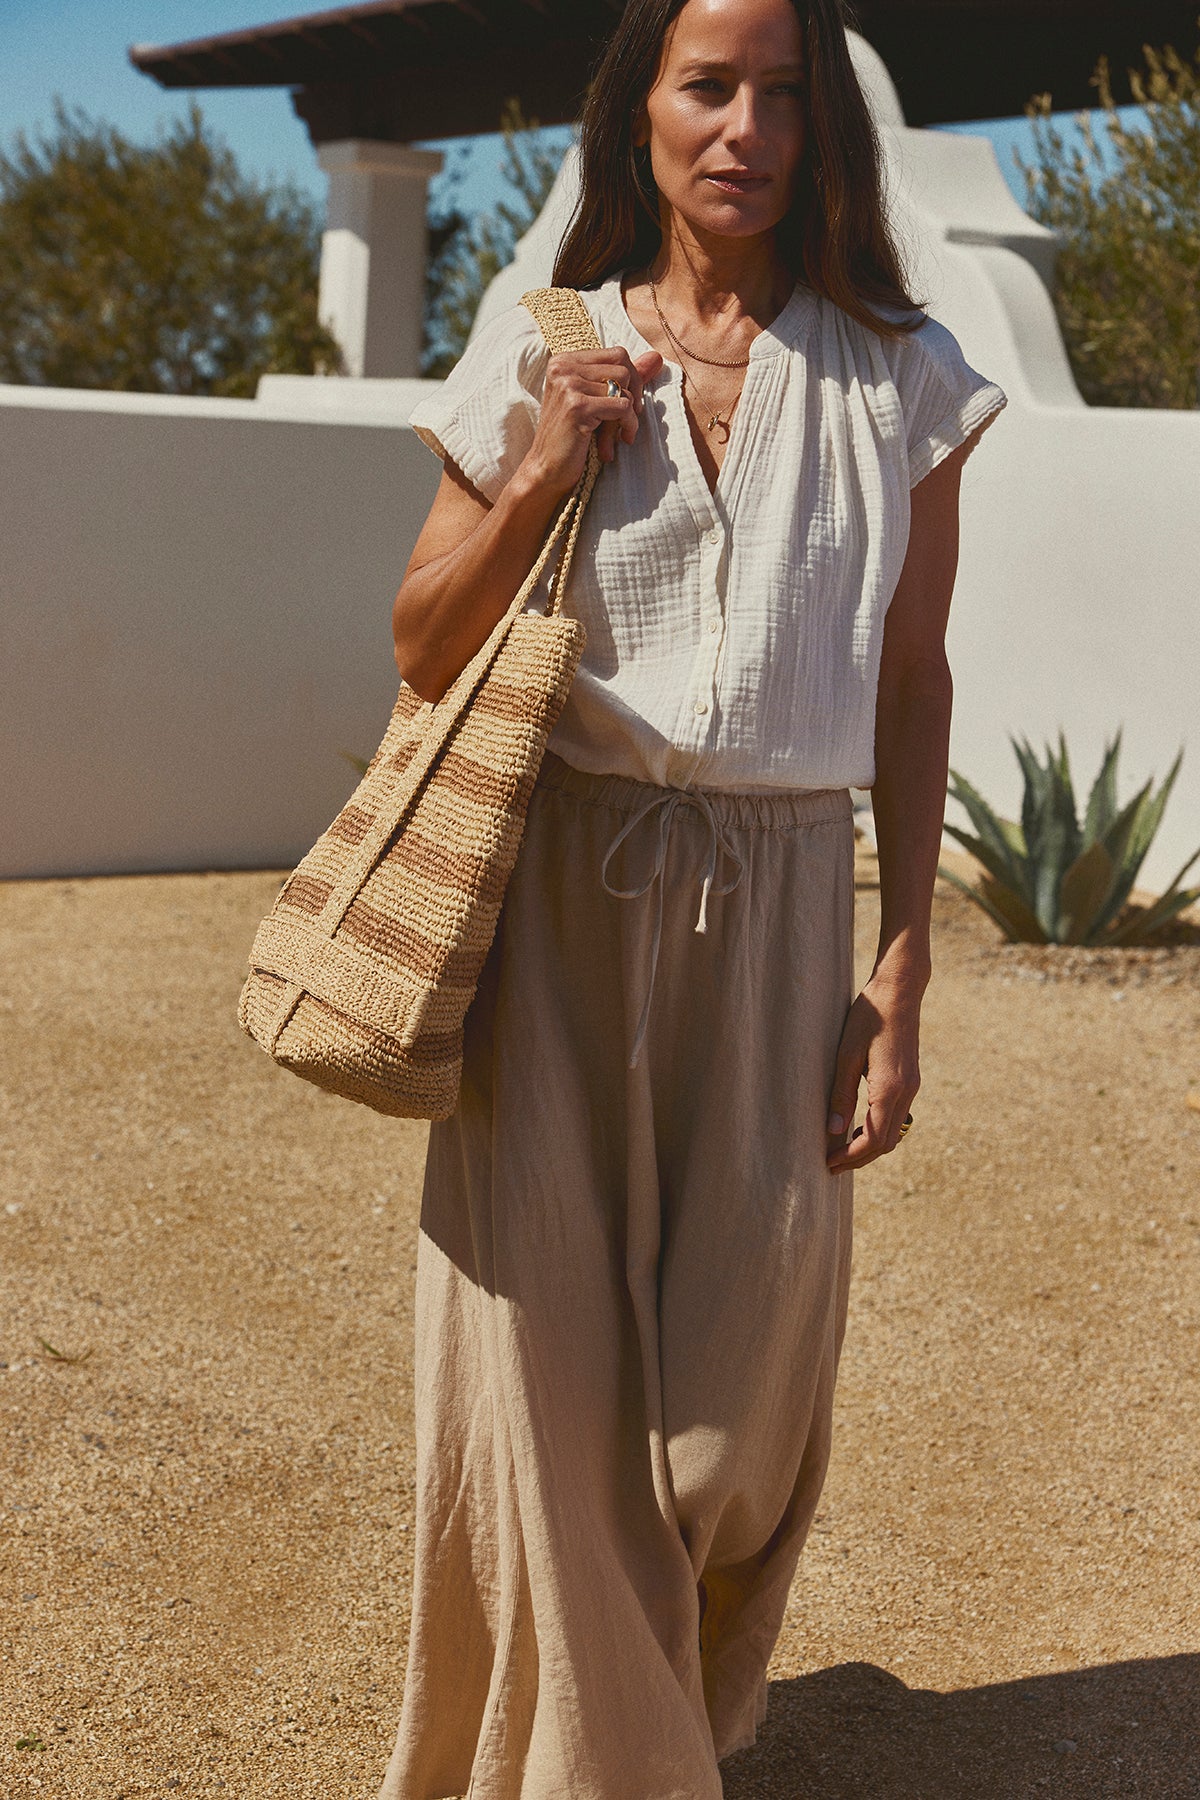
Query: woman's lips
x=738 y=184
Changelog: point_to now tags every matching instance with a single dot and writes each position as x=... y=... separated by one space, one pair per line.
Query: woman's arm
x=471 y=558
x=912 y=748
x=466 y=565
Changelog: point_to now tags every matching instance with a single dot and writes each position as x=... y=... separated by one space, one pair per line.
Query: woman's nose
x=743 y=123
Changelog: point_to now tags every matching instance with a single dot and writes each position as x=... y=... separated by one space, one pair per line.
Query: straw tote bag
x=362 y=972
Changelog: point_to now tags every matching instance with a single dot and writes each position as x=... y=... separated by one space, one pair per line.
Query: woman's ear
x=639 y=137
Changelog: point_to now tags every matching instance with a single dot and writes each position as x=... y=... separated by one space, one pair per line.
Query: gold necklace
x=714 y=416
x=712 y=361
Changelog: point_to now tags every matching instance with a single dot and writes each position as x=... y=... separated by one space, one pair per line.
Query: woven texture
x=362 y=972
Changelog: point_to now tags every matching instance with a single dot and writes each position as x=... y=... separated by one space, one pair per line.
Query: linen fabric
x=734 y=637
x=631 y=1298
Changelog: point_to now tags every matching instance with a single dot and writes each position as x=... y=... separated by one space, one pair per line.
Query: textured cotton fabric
x=734 y=637
x=630 y=1303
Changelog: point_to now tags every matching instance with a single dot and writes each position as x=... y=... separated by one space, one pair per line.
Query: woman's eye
x=709 y=84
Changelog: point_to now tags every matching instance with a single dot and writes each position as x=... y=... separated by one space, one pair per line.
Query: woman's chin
x=732 y=217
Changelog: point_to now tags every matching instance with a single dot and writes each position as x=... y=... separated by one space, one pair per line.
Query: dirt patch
x=206 y=1495
x=1113 y=967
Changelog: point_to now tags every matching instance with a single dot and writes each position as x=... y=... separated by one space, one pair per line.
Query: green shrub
x=1053 y=879
x=157 y=268
x=1126 y=208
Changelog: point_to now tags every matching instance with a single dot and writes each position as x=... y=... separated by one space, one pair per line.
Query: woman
x=635 y=1231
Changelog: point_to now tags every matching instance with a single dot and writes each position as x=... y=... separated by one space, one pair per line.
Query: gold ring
x=615 y=390
x=908 y=1119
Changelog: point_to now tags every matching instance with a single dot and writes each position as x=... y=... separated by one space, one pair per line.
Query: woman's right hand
x=576 y=403
x=471 y=556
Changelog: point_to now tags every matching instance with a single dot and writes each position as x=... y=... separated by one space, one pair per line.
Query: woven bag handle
x=565 y=324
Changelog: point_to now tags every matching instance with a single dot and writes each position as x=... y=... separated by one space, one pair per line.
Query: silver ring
x=615 y=390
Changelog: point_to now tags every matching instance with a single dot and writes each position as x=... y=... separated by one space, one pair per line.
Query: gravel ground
x=205 y=1338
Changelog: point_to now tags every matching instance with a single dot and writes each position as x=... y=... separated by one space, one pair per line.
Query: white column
x=372 y=292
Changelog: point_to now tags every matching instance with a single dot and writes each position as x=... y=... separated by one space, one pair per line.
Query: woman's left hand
x=879 y=1042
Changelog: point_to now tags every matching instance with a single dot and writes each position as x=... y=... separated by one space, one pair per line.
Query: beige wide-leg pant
x=630 y=1297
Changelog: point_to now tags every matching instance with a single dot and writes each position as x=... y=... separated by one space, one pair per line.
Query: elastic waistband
x=779 y=811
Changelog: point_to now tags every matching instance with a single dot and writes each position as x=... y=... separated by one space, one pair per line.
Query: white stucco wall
x=1078 y=603
x=195 y=622
x=196 y=593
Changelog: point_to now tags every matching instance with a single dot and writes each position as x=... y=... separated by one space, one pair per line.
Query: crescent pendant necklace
x=714 y=420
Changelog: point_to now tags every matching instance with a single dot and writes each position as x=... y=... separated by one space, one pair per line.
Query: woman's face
x=726 y=117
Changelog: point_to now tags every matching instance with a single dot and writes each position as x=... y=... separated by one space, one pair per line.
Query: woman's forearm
x=446 y=609
x=912 y=747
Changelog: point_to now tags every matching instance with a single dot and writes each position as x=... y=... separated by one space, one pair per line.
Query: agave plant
x=1053 y=880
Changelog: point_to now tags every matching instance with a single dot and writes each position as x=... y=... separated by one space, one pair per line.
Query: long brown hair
x=835 y=235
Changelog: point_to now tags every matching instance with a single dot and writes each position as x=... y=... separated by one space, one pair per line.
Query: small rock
x=1065 y=1746
x=1193 y=1100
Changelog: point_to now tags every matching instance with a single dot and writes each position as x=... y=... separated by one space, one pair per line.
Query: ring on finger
x=616 y=391
x=908 y=1119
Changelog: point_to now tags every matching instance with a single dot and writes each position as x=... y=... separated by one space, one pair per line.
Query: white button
x=702 y=706
x=714 y=537
x=714 y=625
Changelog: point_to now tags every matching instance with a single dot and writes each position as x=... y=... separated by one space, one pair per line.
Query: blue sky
x=78 y=48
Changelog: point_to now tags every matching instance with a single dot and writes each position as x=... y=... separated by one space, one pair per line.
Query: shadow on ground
x=1127 y=1730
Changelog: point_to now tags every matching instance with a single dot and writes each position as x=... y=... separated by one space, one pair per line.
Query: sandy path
x=205 y=1523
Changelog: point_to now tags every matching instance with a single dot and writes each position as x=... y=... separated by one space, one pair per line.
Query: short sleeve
x=484 y=415
x=942 y=398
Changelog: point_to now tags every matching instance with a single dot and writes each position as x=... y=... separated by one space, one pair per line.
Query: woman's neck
x=717 y=280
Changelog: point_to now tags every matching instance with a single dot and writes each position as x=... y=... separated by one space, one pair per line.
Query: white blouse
x=733 y=638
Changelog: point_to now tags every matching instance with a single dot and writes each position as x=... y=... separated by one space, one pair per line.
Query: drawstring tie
x=718 y=845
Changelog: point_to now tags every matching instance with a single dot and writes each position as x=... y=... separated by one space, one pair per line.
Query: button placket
x=711 y=543
x=712 y=550
x=698 y=703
